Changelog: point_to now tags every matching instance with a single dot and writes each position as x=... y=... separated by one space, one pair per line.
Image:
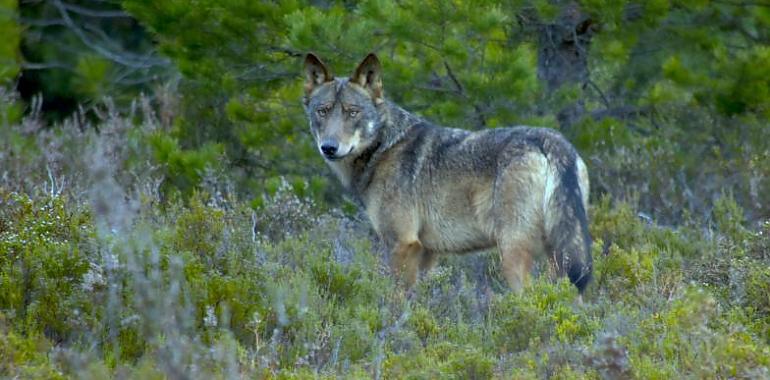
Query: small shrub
x=729 y=219
x=199 y=230
x=757 y=288
x=543 y=312
x=443 y=360
x=283 y=213
x=25 y=357
x=41 y=263
x=620 y=271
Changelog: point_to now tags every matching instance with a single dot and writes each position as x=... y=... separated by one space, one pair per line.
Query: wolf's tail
x=567 y=233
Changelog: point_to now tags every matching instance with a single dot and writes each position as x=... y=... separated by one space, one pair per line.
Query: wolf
x=430 y=190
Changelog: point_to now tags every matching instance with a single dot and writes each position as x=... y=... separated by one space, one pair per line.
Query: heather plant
x=189 y=288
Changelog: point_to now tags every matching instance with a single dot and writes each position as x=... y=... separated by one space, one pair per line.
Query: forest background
x=163 y=210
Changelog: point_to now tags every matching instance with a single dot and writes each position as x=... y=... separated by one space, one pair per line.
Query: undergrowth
x=103 y=275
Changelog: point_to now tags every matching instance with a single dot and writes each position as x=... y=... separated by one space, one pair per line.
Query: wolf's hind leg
x=428 y=260
x=516 y=257
x=406 y=261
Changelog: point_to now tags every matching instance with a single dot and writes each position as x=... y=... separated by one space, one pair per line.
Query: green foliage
x=729 y=219
x=132 y=252
x=9 y=49
x=681 y=331
x=199 y=231
x=317 y=302
x=184 y=167
x=624 y=271
x=670 y=88
x=256 y=111
x=10 y=113
x=758 y=290
x=12 y=141
x=92 y=80
x=25 y=356
x=41 y=263
x=673 y=94
x=77 y=52
x=10 y=110
x=445 y=361
x=285 y=210
x=542 y=313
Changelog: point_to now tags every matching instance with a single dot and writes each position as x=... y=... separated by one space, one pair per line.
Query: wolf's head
x=343 y=112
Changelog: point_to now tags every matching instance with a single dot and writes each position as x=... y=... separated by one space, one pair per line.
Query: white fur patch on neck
x=343 y=172
x=355 y=140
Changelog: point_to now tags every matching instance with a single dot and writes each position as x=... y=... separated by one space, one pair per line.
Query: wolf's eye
x=353 y=113
x=321 y=112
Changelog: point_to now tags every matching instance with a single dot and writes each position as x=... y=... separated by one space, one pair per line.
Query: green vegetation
x=679 y=89
x=73 y=53
x=667 y=100
x=164 y=213
x=9 y=55
x=105 y=278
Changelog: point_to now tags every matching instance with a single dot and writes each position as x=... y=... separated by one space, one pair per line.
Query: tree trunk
x=563 y=57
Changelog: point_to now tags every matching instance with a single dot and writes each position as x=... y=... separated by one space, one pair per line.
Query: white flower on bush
x=210 y=320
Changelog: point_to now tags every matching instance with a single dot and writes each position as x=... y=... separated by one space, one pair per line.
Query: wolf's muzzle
x=329 y=149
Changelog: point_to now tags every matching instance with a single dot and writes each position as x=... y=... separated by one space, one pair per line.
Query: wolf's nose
x=329 y=150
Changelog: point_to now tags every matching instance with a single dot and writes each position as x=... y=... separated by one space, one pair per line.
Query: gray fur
x=431 y=190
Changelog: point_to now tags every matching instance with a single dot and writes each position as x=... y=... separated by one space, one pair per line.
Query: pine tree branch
x=122 y=58
x=599 y=91
x=621 y=113
x=744 y=3
x=45 y=66
x=94 y=13
x=480 y=119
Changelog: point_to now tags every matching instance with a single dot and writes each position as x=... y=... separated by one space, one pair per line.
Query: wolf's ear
x=369 y=75
x=316 y=73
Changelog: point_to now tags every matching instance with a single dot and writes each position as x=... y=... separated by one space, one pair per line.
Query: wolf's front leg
x=406 y=260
